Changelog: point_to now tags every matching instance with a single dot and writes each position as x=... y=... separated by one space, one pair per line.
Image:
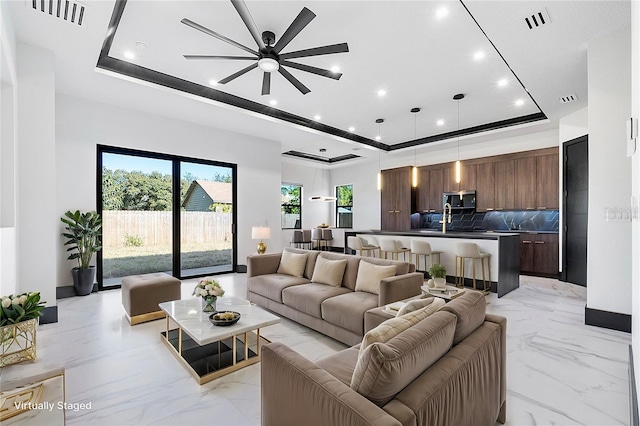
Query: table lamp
x=261 y=233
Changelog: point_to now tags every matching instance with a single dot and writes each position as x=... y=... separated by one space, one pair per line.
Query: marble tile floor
x=559 y=371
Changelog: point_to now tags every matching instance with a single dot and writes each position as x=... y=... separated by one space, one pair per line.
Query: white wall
x=635 y=172
x=570 y=127
x=609 y=243
x=36 y=215
x=83 y=124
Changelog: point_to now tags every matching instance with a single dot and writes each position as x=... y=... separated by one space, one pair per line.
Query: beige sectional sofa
x=446 y=369
x=337 y=311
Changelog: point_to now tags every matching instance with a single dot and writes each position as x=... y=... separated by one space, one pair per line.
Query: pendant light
x=320 y=197
x=458 y=98
x=414 y=169
x=379 y=121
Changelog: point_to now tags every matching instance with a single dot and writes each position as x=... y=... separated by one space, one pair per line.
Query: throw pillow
x=394 y=326
x=292 y=263
x=329 y=271
x=414 y=305
x=370 y=275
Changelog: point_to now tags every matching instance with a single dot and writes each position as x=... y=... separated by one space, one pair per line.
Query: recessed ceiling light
x=503 y=82
x=141 y=45
x=273 y=102
x=352 y=129
x=335 y=69
x=213 y=82
x=442 y=12
x=382 y=92
x=317 y=117
x=478 y=55
x=519 y=102
x=440 y=122
x=129 y=54
x=378 y=138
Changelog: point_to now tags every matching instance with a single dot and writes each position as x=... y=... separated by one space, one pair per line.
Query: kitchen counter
x=503 y=246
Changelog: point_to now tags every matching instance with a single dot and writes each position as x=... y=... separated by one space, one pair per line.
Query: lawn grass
x=122 y=261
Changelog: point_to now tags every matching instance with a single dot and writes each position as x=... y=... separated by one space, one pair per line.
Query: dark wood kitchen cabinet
x=504 y=175
x=539 y=254
x=485 y=187
x=449 y=183
x=422 y=191
x=435 y=190
x=525 y=183
x=468 y=179
x=395 y=199
x=547 y=182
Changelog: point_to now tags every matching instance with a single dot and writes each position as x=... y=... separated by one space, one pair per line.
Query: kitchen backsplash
x=529 y=220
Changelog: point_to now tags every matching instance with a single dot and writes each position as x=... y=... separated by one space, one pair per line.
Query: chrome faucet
x=444 y=220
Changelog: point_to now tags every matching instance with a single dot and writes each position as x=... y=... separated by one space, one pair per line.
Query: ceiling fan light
x=268 y=64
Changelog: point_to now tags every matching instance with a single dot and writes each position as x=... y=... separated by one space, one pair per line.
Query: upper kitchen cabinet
x=485 y=187
x=526 y=182
x=547 y=182
x=468 y=179
x=422 y=191
x=436 y=188
x=449 y=183
x=395 y=199
x=504 y=175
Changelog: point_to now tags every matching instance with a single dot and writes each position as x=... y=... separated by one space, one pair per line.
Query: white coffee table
x=210 y=351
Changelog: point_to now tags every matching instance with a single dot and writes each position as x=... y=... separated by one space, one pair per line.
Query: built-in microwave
x=460 y=200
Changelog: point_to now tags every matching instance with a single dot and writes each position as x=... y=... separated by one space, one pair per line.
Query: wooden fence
x=154 y=228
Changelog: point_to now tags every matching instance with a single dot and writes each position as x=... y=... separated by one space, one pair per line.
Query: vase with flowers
x=209 y=289
x=18 y=319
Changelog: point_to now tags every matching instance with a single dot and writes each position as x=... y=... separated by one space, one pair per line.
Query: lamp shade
x=260 y=233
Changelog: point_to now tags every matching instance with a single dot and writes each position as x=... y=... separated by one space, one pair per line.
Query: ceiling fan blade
x=238 y=74
x=216 y=35
x=298 y=24
x=243 y=11
x=301 y=87
x=249 y=58
x=317 y=51
x=313 y=70
x=266 y=83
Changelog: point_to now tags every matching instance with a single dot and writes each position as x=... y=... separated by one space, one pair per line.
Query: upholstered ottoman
x=141 y=295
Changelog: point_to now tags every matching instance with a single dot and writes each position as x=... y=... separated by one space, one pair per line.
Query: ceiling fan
x=268 y=57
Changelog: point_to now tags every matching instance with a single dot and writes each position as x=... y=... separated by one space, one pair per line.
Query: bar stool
x=423 y=248
x=327 y=236
x=306 y=239
x=316 y=237
x=357 y=243
x=471 y=251
x=388 y=245
x=296 y=238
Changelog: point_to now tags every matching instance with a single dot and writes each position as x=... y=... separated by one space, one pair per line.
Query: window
x=291 y=209
x=344 y=206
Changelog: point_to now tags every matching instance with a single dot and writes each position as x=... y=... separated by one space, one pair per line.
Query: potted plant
x=439 y=275
x=18 y=316
x=83 y=232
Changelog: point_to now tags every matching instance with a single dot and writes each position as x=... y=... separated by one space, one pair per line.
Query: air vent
x=538 y=19
x=69 y=11
x=568 y=98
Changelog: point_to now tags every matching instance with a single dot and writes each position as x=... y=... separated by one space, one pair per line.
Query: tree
x=345 y=195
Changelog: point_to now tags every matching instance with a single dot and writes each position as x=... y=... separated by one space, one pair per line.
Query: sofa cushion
x=470 y=309
x=347 y=310
x=401 y=267
x=370 y=275
x=329 y=272
x=271 y=285
x=311 y=260
x=308 y=298
x=350 y=272
x=394 y=326
x=292 y=263
x=341 y=364
x=414 y=305
x=384 y=369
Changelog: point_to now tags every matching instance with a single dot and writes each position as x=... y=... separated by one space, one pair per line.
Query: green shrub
x=132 y=241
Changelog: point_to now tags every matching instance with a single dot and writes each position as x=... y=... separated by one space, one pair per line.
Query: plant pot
x=83 y=280
x=18 y=342
x=440 y=282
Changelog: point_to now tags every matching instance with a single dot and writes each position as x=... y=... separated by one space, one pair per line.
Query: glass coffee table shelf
x=209 y=351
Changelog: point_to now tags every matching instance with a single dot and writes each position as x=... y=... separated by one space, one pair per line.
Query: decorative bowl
x=216 y=319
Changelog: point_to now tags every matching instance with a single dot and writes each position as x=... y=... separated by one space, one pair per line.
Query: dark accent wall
x=466 y=221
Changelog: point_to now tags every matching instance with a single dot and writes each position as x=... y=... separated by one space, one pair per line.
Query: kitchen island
x=503 y=247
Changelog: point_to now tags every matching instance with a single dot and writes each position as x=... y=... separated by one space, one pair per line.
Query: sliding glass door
x=164 y=213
